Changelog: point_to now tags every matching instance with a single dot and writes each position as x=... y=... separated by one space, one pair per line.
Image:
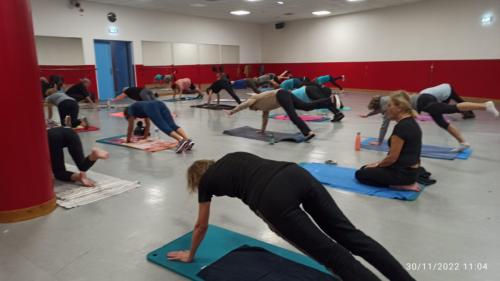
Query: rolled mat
x=217 y=243
x=252 y=133
x=343 y=178
x=428 y=151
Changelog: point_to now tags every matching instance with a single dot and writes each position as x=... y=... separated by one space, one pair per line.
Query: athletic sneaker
x=181 y=146
x=490 y=107
x=339 y=116
x=309 y=137
x=67 y=121
x=463 y=146
x=190 y=145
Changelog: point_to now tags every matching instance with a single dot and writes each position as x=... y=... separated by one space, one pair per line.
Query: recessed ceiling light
x=240 y=13
x=321 y=13
x=253 y=0
x=197 y=5
x=355 y=0
x=280 y=2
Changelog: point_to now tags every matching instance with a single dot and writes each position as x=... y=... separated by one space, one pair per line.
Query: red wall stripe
x=471 y=78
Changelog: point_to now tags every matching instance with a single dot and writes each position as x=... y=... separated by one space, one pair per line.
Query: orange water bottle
x=357 y=142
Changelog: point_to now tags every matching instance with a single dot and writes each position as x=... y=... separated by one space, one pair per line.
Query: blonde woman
x=399 y=168
x=286 y=197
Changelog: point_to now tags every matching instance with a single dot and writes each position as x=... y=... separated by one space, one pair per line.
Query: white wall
x=54 y=18
x=157 y=53
x=431 y=29
x=59 y=51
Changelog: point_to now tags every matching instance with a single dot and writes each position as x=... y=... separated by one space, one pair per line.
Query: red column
x=25 y=177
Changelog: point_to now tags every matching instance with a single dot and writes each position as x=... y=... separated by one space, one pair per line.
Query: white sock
x=490 y=107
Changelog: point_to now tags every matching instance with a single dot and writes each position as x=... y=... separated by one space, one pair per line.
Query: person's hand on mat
x=377 y=143
x=182 y=256
x=228 y=112
x=363 y=115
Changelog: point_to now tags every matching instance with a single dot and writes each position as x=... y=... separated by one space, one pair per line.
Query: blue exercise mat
x=217 y=243
x=428 y=151
x=343 y=178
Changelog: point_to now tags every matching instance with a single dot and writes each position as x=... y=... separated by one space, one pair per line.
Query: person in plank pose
x=296 y=206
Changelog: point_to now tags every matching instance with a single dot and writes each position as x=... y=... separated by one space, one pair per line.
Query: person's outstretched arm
x=241 y=106
x=50 y=111
x=90 y=101
x=130 y=129
x=147 y=128
x=383 y=129
x=200 y=229
x=265 y=119
x=120 y=97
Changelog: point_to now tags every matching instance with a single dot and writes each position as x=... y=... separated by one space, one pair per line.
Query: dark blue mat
x=252 y=133
x=428 y=151
x=217 y=243
x=343 y=178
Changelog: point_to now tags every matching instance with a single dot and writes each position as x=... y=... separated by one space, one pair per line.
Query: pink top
x=183 y=83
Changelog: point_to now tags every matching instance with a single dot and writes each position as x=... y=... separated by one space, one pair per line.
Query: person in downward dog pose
x=160 y=115
x=295 y=206
x=436 y=104
x=61 y=137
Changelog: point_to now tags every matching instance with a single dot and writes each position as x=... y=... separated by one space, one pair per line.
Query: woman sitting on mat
x=219 y=85
x=160 y=115
x=435 y=102
x=66 y=106
x=61 y=137
x=274 y=99
x=185 y=86
x=137 y=94
x=399 y=169
x=286 y=197
x=314 y=92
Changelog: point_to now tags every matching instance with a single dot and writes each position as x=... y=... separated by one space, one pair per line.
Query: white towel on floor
x=70 y=195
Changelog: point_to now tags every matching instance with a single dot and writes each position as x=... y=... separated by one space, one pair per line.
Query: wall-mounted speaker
x=279 y=25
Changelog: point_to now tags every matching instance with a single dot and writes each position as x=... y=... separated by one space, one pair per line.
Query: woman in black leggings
x=284 y=195
x=219 y=85
x=399 y=169
x=61 y=137
x=66 y=106
x=274 y=99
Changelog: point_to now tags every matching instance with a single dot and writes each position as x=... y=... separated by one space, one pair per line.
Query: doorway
x=114 y=67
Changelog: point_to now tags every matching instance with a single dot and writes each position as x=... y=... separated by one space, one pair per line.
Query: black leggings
x=454 y=97
x=333 y=240
x=385 y=177
x=224 y=84
x=59 y=138
x=316 y=93
x=430 y=104
x=290 y=102
x=71 y=108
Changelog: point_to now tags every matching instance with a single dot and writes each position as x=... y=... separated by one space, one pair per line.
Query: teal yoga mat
x=217 y=243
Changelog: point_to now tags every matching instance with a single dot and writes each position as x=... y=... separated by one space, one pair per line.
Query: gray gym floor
x=453 y=221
